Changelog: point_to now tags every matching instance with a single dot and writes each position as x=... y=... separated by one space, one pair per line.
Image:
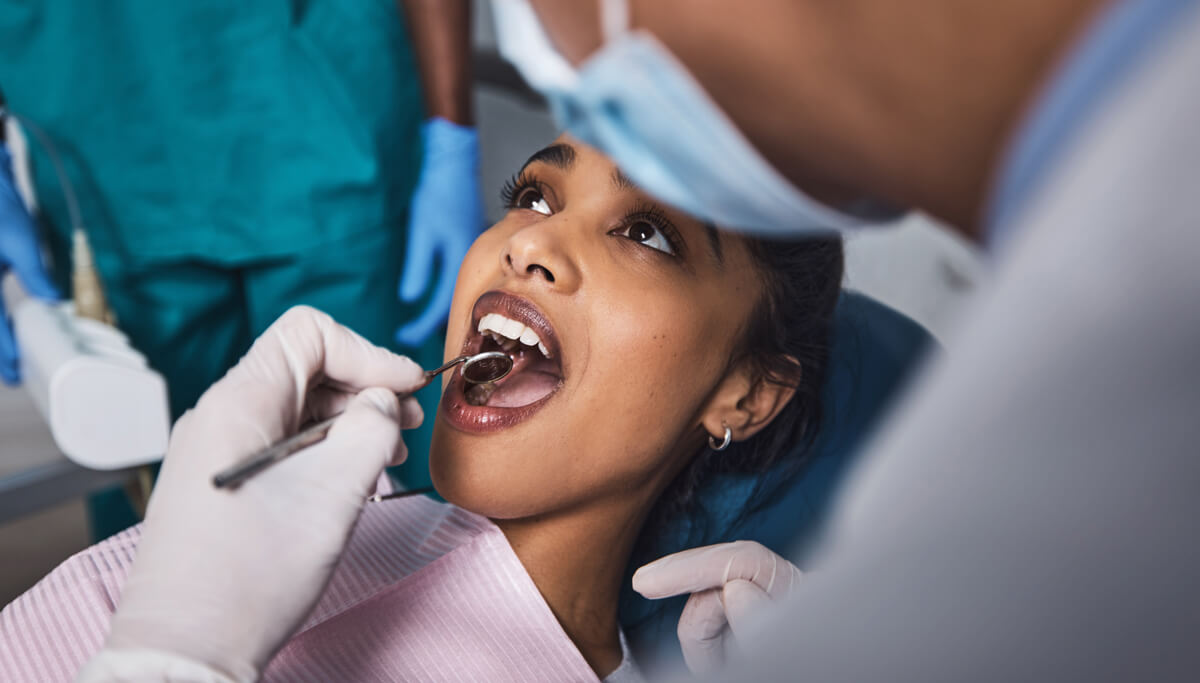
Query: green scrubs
x=231 y=159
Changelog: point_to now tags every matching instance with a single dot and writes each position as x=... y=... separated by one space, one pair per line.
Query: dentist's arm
x=446 y=213
x=222 y=578
x=440 y=31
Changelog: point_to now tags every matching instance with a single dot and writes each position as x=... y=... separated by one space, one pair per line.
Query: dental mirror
x=487 y=367
x=479 y=369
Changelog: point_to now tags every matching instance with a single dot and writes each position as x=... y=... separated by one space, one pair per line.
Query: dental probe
x=482 y=368
x=380 y=497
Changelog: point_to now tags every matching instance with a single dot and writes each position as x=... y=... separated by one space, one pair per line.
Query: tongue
x=523 y=388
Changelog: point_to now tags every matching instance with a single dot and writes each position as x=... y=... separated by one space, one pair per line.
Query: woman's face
x=625 y=314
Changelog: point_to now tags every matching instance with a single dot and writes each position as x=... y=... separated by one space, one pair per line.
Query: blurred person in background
x=235 y=159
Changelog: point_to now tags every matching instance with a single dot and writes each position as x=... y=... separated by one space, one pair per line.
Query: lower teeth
x=478 y=394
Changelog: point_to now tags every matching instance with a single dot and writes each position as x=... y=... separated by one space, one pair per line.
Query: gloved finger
x=364 y=439
x=33 y=275
x=325 y=401
x=415 y=332
x=7 y=176
x=6 y=166
x=411 y=413
x=702 y=630
x=420 y=253
x=10 y=371
x=19 y=245
x=744 y=604
x=305 y=346
x=263 y=398
x=713 y=566
x=312 y=344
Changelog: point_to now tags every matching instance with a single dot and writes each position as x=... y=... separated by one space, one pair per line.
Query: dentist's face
x=622 y=316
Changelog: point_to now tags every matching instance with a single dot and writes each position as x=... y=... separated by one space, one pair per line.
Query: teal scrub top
x=220 y=130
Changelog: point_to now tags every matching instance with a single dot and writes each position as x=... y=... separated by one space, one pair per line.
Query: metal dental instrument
x=380 y=497
x=481 y=368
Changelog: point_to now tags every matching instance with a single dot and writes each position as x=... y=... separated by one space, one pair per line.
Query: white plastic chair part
x=105 y=407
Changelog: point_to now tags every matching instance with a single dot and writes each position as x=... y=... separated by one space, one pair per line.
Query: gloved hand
x=445 y=217
x=19 y=251
x=730 y=584
x=223 y=577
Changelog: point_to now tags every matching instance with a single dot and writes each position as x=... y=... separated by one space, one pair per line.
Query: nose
x=537 y=252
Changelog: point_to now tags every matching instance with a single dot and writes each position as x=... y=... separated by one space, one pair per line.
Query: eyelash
x=515 y=186
x=655 y=216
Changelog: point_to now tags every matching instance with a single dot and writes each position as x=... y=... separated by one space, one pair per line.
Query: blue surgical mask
x=636 y=102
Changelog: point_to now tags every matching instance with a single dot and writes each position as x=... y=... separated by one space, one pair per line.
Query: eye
x=531 y=198
x=523 y=191
x=645 y=232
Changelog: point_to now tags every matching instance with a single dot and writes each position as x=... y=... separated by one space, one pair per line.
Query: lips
x=536 y=377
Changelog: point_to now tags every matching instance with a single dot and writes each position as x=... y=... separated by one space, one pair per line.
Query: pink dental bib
x=425 y=592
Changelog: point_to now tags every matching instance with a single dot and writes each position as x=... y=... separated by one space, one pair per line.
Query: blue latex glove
x=19 y=250
x=445 y=217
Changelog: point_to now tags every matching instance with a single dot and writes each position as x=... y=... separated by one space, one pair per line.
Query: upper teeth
x=512 y=330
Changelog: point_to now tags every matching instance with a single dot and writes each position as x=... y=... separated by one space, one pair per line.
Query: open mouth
x=508 y=323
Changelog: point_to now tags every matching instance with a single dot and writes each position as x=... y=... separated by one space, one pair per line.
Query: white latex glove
x=730 y=583
x=223 y=577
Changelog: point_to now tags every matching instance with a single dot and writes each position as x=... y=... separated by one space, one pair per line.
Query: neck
x=911 y=102
x=937 y=87
x=577 y=559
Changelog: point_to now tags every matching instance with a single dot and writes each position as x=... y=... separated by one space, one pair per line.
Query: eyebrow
x=559 y=155
x=562 y=156
x=622 y=181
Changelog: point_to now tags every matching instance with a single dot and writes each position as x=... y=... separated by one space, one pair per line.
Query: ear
x=746 y=402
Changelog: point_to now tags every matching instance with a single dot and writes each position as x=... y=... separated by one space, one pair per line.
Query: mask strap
x=614 y=19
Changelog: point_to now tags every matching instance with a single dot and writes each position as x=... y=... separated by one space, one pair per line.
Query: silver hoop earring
x=712 y=443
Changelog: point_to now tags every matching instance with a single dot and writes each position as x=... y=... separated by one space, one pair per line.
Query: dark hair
x=786 y=341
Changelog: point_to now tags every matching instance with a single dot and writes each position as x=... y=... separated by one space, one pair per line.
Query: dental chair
x=874 y=351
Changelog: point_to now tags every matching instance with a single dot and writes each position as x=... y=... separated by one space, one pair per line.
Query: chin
x=469 y=474
x=483 y=475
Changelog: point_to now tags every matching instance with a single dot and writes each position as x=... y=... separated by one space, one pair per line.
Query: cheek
x=480 y=263
x=648 y=354
x=652 y=363
x=478 y=268
x=648 y=364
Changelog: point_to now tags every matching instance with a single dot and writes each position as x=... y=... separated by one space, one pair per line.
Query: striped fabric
x=425 y=592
